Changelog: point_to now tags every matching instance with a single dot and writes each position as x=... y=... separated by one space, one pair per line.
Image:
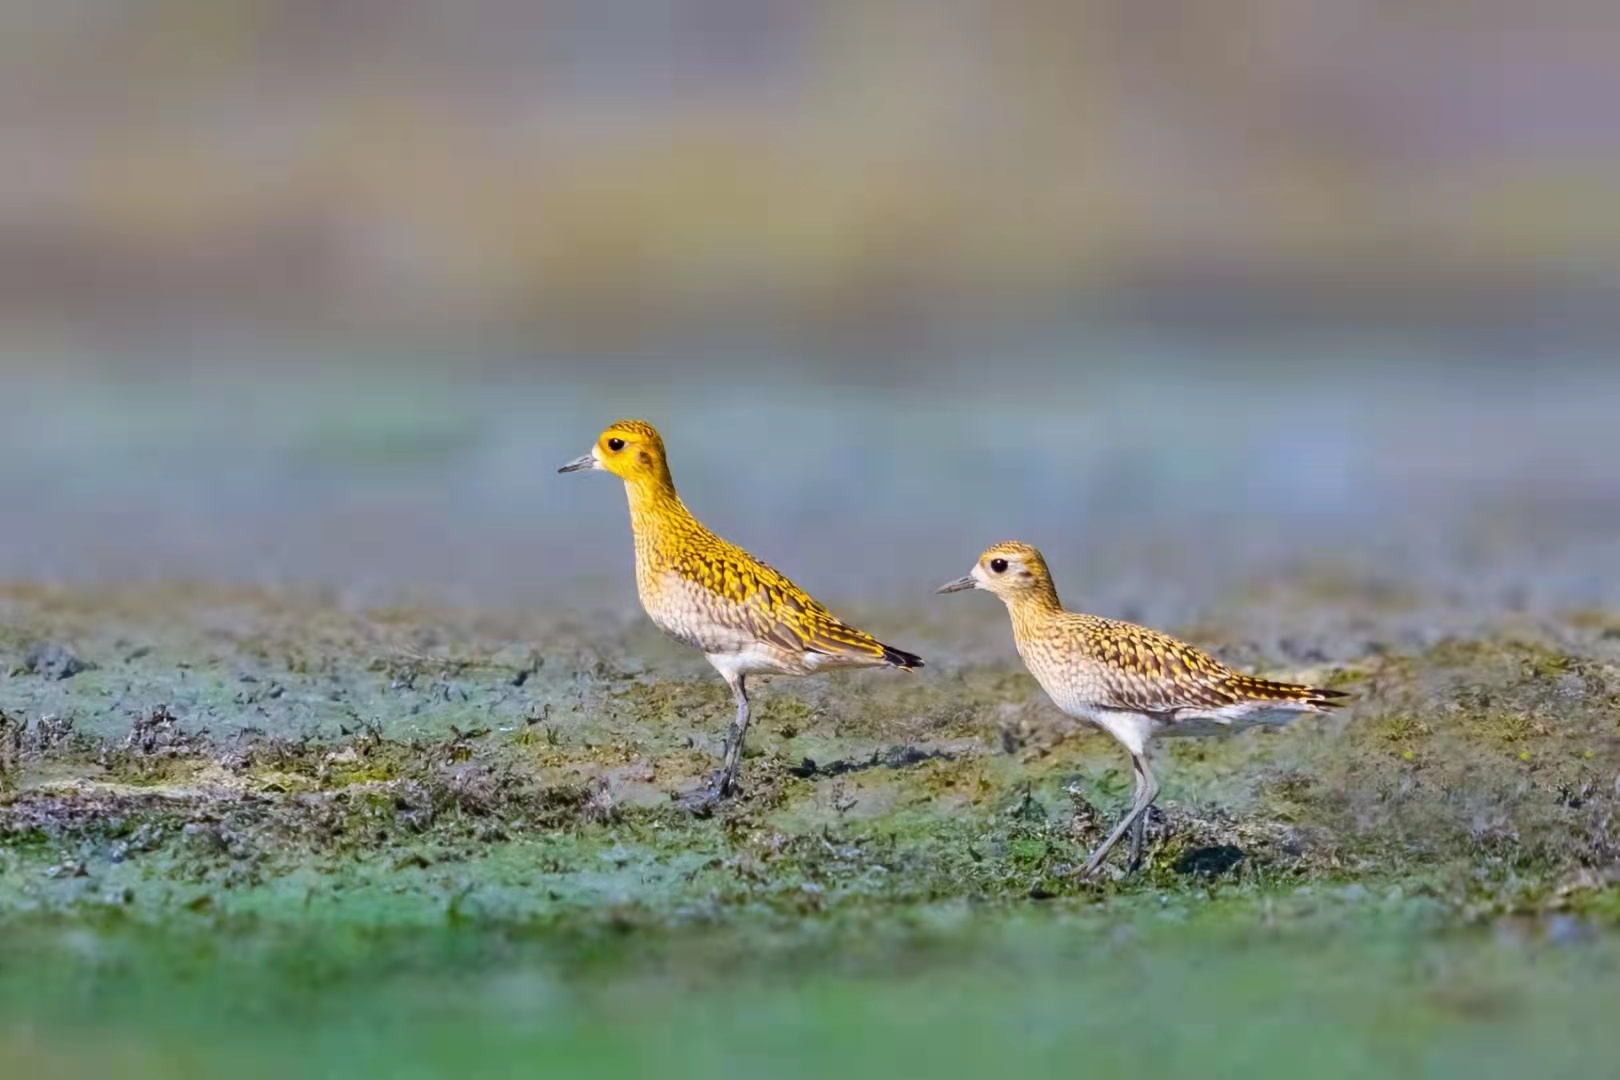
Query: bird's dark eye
x=998 y=565
x=615 y=445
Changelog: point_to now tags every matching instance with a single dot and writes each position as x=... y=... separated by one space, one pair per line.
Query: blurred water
x=1157 y=479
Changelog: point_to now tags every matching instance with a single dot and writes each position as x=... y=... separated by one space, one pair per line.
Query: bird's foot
x=1133 y=861
x=1081 y=873
x=701 y=801
x=1090 y=867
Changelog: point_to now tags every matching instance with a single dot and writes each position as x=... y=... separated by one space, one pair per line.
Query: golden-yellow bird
x=746 y=617
x=1132 y=682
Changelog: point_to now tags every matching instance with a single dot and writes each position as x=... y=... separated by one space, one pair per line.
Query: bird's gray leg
x=723 y=783
x=731 y=759
x=1147 y=789
x=1138 y=830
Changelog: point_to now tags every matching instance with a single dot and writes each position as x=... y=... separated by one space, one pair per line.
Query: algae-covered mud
x=248 y=831
x=234 y=751
x=373 y=770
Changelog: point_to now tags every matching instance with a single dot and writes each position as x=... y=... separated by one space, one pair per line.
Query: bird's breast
x=1073 y=683
x=690 y=612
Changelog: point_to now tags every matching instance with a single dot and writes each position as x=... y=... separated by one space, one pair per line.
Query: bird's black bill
x=958 y=585
x=586 y=462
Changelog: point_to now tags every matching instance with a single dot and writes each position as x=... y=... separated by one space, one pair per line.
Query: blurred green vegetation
x=1339 y=987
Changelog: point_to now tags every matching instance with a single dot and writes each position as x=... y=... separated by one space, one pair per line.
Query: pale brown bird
x=745 y=616
x=1134 y=683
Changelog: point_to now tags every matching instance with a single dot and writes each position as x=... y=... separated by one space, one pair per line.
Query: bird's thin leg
x=731 y=759
x=723 y=782
x=1139 y=829
x=1147 y=789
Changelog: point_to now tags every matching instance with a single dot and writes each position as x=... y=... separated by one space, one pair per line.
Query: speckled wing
x=772 y=609
x=1155 y=673
x=783 y=613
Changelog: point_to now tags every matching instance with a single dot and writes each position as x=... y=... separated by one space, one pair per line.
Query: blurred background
x=1289 y=325
x=323 y=291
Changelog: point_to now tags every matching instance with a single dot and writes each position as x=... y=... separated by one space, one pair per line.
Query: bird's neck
x=1032 y=609
x=657 y=515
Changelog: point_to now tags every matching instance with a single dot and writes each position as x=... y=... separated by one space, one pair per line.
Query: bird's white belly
x=756 y=659
x=1132 y=729
x=695 y=616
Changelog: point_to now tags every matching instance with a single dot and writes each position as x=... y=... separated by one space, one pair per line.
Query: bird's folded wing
x=760 y=600
x=781 y=613
x=1155 y=673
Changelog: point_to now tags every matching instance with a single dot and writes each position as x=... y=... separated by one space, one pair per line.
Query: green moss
x=319 y=753
x=1403 y=729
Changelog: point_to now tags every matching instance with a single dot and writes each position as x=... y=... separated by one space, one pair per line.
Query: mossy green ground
x=248 y=831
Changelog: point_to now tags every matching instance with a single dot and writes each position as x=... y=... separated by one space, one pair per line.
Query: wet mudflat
x=306 y=818
x=276 y=821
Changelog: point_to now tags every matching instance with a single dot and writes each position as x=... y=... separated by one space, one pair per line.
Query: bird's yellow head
x=1012 y=570
x=630 y=449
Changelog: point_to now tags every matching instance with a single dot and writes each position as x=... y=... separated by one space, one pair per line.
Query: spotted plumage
x=1106 y=663
x=1133 y=682
x=743 y=614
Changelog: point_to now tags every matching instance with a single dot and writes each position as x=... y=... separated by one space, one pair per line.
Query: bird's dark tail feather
x=1326 y=699
x=902 y=659
x=1250 y=688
